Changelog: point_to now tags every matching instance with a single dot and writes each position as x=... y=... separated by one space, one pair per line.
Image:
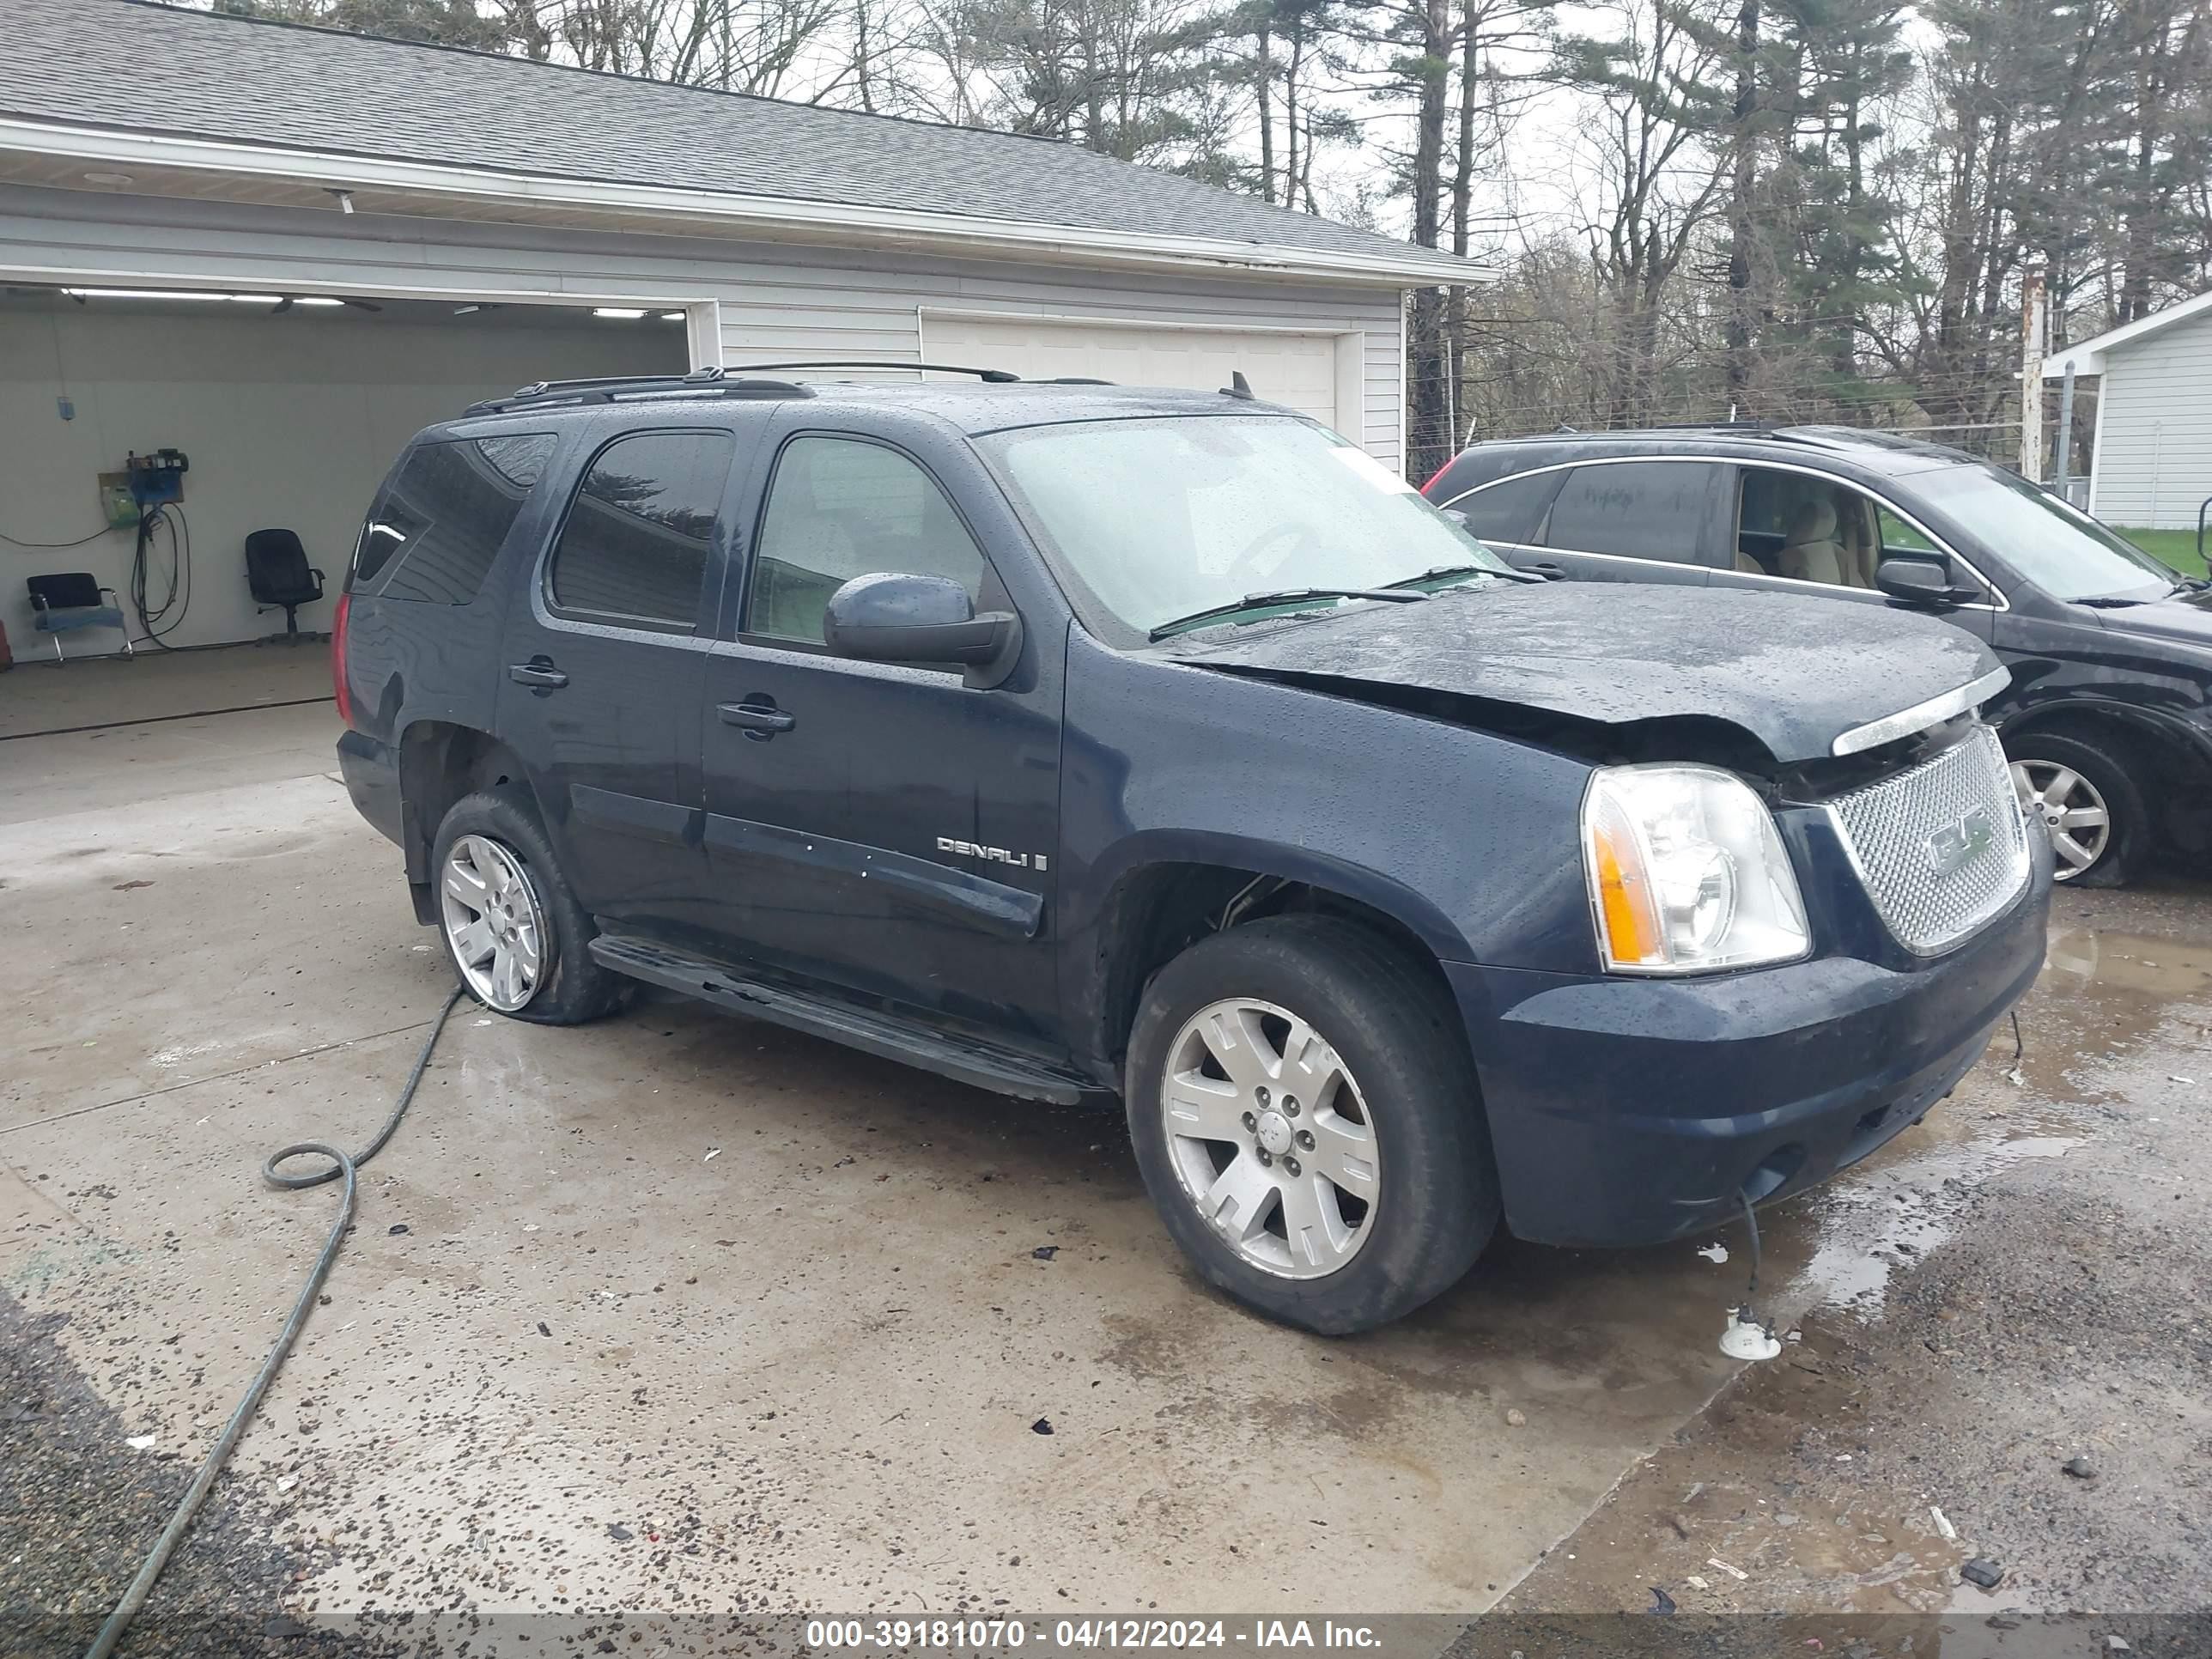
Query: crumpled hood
x=1793 y=671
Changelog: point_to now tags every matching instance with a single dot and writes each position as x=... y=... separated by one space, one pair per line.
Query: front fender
x=1467 y=839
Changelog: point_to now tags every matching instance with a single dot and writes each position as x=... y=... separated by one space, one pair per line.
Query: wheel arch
x=1159 y=907
x=439 y=761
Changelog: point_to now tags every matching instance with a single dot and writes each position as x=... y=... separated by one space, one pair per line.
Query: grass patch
x=2176 y=547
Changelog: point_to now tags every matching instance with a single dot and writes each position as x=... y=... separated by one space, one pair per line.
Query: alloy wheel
x=494 y=921
x=1270 y=1138
x=2070 y=808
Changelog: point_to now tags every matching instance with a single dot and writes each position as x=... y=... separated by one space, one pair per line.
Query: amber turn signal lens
x=1625 y=907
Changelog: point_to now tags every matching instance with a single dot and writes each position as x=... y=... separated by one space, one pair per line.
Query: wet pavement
x=681 y=1312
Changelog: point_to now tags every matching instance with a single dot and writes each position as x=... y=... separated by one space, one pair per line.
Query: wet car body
x=984 y=874
x=2137 y=667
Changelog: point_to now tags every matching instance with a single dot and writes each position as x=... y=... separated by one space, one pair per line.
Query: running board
x=980 y=1064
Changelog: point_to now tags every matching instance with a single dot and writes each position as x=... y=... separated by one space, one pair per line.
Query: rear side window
x=634 y=546
x=840 y=509
x=441 y=520
x=1511 y=510
x=1638 y=510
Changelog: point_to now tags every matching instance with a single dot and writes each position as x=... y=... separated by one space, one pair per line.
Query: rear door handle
x=758 y=717
x=1548 y=571
x=539 y=671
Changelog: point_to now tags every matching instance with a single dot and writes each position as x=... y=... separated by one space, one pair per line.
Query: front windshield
x=1162 y=519
x=2067 y=554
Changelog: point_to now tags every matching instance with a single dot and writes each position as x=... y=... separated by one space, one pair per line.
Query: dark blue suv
x=1080 y=742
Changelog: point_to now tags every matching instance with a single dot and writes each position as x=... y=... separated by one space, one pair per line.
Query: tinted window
x=635 y=546
x=446 y=512
x=1512 y=511
x=1643 y=509
x=840 y=509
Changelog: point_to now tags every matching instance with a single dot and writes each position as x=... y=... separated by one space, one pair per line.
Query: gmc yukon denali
x=1080 y=742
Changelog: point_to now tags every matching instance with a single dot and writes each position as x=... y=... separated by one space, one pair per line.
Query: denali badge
x=992 y=854
x=1957 y=845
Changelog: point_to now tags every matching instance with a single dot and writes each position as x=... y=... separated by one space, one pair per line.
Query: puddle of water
x=2102 y=993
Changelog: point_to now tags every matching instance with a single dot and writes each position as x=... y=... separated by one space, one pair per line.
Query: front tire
x=1306 y=1119
x=2083 y=794
x=513 y=931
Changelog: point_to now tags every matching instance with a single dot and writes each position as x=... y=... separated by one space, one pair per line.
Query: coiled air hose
x=343 y=1167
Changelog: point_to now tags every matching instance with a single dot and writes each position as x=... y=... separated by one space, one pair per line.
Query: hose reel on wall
x=156 y=484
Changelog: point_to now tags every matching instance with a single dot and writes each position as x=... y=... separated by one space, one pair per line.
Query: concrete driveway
x=682 y=1312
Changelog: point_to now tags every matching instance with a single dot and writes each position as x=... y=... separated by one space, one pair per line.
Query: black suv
x=2108 y=717
x=1080 y=742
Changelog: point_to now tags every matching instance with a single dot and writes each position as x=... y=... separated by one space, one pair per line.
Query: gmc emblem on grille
x=1955 y=846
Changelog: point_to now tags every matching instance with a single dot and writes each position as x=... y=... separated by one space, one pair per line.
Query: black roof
x=134 y=66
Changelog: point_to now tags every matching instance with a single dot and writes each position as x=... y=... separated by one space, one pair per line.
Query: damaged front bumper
x=1630 y=1111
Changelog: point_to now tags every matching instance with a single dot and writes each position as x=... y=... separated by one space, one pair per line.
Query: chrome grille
x=1915 y=838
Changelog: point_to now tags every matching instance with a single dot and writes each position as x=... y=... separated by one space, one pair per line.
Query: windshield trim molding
x=1934 y=711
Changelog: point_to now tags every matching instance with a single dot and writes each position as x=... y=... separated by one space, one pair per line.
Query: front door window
x=1808 y=529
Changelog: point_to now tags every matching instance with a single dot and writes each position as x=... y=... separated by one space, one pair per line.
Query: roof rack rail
x=607 y=389
x=996 y=376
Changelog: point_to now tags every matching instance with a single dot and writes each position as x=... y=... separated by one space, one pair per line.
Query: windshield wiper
x=1442 y=571
x=1282 y=596
x=2109 y=601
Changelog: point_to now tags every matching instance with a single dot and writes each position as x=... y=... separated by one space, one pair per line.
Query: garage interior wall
x=289 y=419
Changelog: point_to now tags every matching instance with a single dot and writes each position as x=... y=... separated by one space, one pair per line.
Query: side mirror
x=1459 y=519
x=921 y=619
x=1921 y=579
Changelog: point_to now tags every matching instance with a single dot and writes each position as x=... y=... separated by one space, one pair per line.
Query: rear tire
x=2078 y=779
x=517 y=937
x=1341 y=1212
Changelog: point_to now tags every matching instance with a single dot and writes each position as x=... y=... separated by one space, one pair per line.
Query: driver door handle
x=539 y=671
x=1547 y=570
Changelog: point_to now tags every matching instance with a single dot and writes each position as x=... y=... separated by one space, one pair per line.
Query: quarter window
x=635 y=546
x=440 y=522
x=840 y=509
x=1638 y=510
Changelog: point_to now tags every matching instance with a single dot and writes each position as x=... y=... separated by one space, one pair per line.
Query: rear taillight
x=1438 y=474
x=337 y=658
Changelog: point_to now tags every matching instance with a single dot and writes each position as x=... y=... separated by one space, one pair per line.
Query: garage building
x=278 y=250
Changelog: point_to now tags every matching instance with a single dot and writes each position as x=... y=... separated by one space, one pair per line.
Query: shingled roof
x=127 y=65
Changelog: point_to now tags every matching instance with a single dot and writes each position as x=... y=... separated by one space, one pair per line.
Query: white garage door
x=1296 y=370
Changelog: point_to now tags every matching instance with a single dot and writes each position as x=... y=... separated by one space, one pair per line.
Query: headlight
x=1686 y=872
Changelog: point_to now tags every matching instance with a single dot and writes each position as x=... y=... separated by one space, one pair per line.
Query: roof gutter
x=772 y=215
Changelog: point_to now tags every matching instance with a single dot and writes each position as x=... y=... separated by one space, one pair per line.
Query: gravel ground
x=82 y=1507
